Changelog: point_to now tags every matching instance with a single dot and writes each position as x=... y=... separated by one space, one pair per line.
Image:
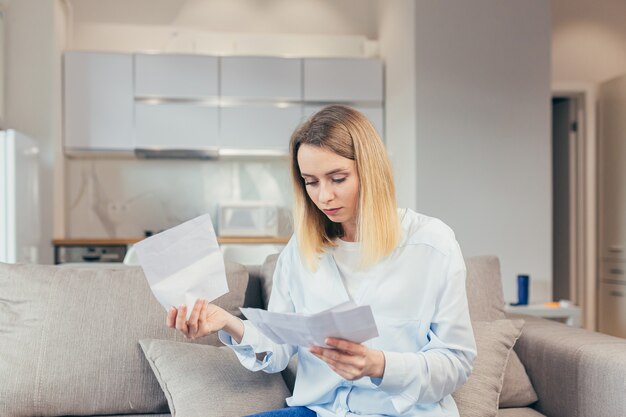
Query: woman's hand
x=205 y=319
x=351 y=360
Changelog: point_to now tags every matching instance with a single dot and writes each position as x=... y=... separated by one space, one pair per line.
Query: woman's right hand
x=205 y=319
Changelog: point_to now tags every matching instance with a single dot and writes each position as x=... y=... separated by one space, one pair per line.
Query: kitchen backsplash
x=119 y=198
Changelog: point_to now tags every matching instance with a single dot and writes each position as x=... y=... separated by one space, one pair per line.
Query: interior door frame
x=586 y=286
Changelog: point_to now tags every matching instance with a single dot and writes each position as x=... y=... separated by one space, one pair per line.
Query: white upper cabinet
x=343 y=79
x=175 y=126
x=253 y=127
x=176 y=76
x=261 y=78
x=98 y=101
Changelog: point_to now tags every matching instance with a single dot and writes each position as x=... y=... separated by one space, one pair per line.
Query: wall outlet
x=116 y=207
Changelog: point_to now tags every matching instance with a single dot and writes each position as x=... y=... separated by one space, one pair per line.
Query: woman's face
x=331 y=182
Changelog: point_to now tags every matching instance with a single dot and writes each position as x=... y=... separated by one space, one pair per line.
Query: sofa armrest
x=575 y=372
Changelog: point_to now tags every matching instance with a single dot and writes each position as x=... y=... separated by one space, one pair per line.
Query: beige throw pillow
x=486 y=302
x=494 y=340
x=209 y=381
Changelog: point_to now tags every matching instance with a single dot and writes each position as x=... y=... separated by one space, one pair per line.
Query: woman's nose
x=326 y=193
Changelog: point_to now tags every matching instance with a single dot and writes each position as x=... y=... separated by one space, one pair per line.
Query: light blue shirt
x=418 y=299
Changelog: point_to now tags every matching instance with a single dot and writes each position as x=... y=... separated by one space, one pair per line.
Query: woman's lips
x=332 y=212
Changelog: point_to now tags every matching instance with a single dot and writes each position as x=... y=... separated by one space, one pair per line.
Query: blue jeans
x=287 y=412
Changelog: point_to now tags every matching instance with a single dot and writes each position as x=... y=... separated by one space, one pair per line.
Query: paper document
x=184 y=263
x=345 y=321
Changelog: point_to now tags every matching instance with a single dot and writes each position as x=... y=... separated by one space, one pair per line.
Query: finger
x=203 y=323
x=181 y=323
x=192 y=323
x=170 y=320
x=338 y=356
x=345 y=370
x=346 y=346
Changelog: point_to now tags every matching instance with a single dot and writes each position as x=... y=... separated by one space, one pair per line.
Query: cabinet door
x=176 y=76
x=258 y=127
x=98 y=101
x=613 y=271
x=343 y=79
x=612 y=144
x=612 y=317
x=374 y=114
x=176 y=126
x=261 y=78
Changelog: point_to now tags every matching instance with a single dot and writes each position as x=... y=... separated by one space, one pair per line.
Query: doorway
x=573 y=208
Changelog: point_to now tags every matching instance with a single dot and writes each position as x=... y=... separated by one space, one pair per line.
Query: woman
x=351 y=243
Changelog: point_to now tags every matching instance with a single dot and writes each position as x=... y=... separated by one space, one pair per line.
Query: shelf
x=130 y=241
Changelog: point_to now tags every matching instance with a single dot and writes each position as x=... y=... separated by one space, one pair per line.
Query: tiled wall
x=121 y=198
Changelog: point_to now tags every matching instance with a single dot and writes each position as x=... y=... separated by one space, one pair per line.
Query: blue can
x=522 y=289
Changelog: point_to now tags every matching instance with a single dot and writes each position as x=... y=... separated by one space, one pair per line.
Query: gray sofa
x=68 y=344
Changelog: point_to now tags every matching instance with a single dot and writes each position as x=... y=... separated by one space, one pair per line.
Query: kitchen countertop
x=130 y=241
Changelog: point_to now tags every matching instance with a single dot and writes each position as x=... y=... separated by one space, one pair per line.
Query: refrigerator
x=612 y=207
x=19 y=198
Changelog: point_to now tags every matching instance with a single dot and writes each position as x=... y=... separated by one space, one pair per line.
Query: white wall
x=588 y=40
x=397 y=48
x=332 y=17
x=33 y=91
x=483 y=130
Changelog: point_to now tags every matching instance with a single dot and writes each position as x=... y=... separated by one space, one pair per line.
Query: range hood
x=174 y=153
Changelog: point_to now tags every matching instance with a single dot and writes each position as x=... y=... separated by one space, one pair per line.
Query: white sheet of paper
x=184 y=263
x=345 y=321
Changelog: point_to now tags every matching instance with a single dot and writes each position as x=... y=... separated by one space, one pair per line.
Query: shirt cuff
x=396 y=375
x=248 y=347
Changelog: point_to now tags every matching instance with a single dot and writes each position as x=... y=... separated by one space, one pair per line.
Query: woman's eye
x=338 y=180
x=310 y=182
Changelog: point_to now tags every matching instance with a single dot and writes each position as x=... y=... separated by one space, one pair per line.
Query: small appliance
x=247 y=218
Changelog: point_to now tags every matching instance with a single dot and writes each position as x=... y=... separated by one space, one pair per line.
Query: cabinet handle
x=616 y=293
x=616 y=271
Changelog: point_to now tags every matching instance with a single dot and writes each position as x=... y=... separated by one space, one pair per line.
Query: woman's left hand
x=351 y=360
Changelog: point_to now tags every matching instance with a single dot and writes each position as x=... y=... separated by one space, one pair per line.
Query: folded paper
x=345 y=321
x=184 y=263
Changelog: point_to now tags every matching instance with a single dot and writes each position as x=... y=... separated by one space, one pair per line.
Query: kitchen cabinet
x=261 y=78
x=241 y=104
x=176 y=76
x=343 y=80
x=176 y=101
x=176 y=126
x=98 y=101
x=251 y=127
x=612 y=206
x=612 y=304
x=374 y=113
x=612 y=161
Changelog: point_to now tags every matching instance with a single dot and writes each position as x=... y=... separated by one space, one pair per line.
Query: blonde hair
x=347 y=133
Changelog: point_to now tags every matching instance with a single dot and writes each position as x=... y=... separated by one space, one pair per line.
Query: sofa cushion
x=486 y=302
x=519 y=412
x=209 y=381
x=69 y=339
x=267 y=276
x=494 y=342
